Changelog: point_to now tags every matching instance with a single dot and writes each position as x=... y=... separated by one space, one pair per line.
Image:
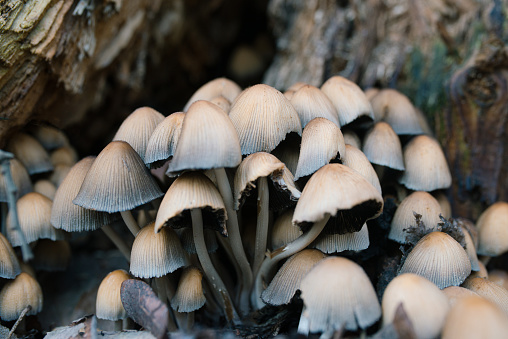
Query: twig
x=21 y=316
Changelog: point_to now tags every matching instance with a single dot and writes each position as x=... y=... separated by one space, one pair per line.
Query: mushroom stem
x=164 y=294
x=130 y=222
x=262 y=224
x=235 y=238
x=119 y=243
x=20 y=323
x=118 y=325
x=281 y=253
x=206 y=263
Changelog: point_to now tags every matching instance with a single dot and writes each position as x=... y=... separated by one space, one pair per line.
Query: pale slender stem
x=281 y=253
x=235 y=238
x=229 y=252
x=210 y=272
x=118 y=325
x=20 y=323
x=117 y=241
x=190 y=321
x=262 y=224
x=130 y=222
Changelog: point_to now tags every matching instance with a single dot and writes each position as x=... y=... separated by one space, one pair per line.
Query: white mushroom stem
x=262 y=224
x=117 y=241
x=235 y=238
x=281 y=253
x=130 y=222
x=118 y=325
x=206 y=263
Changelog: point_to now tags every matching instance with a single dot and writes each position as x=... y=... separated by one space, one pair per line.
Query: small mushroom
x=108 y=303
x=19 y=293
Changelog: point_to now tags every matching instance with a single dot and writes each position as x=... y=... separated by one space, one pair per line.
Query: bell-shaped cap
x=499 y=277
x=356 y=160
x=17 y=294
x=162 y=143
x=208 y=140
x=337 y=294
x=420 y=202
x=287 y=281
x=156 y=254
x=30 y=153
x=260 y=165
x=51 y=256
x=456 y=293
x=489 y=290
x=351 y=138
x=425 y=305
x=117 y=181
x=263 y=117
x=34 y=214
x=66 y=155
x=73 y=218
x=439 y=258
x=492 y=228
x=322 y=142
x=310 y=103
x=348 y=99
x=109 y=304
x=9 y=264
x=296 y=86
x=46 y=188
x=341 y=192
x=336 y=243
x=426 y=166
x=214 y=88
x=444 y=202
x=189 y=295
x=50 y=137
x=137 y=128
x=222 y=102
x=192 y=190
x=382 y=147
x=283 y=231
x=59 y=173
x=20 y=177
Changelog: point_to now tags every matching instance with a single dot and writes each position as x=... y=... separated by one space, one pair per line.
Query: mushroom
x=9 y=264
x=18 y=294
x=351 y=138
x=162 y=142
x=335 y=243
x=65 y=155
x=310 y=103
x=356 y=160
x=108 y=303
x=456 y=293
x=50 y=137
x=499 y=277
x=382 y=147
x=189 y=296
x=492 y=225
x=30 y=153
x=46 y=188
x=283 y=230
x=212 y=89
x=490 y=291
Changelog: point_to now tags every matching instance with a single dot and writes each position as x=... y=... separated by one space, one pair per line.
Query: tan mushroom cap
x=9 y=264
x=208 y=140
x=287 y=281
x=348 y=99
x=190 y=190
x=263 y=117
x=474 y=317
x=310 y=103
x=117 y=181
x=426 y=166
x=341 y=192
x=336 y=243
x=220 y=86
x=382 y=147
x=73 y=218
x=64 y=155
x=162 y=143
x=34 y=214
x=499 y=277
x=222 y=102
x=51 y=255
x=283 y=231
x=50 y=137
x=371 y=92
x=46 y=188
x=109 y=304
x=420 y=202
x=17 y=294
x=424 y=303
x=296 y=86
x=59 y=173
x=489 y=290
x=439 y=258
x=481 y=273
x=442 y=199
x=351 y=138
x=156 y=254
x=338 y=294
x=455 y=293
x=470 y=249
x=30 y=153
x=356 y=160
x=189 y=295
x=20 y=177
x=322 y=141
x=492 y=228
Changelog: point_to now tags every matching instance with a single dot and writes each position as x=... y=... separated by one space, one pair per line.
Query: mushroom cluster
x=254 y=198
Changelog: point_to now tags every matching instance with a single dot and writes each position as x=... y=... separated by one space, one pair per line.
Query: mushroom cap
x=310 y=103
x=499 y=277
x=73 y=218
x=424 y=303
x=189 y=295
x=439 y=258
x=59 y=173
x=156 y=254
x=50 y=137
x=20 y=177
x=109 y=304
x=263 y=117
x=34 y=214
x=220 y=86
x=382 y=146
x=336 y=243
x=287 y=281
x=9 y=264
x=191 y=190
x=30 y=153
x=420 y=202
x=492 y=228
x=490 y=291
x=351 y=138
x=137 y=128
x=446 y=207
x=474 y=317
x=222 y=102
x=17 y=294
x=117 y=181
x=470 y=249
x=455 y=293
x=322 y=141
x=162 y=143
x=348 y=99
x=283 y=231
x=296 y=86
x=51 y=256
x=426 y=166
x=371 y=92
x=64 y=155
x=337 y=293
x=208 y=140
x=357 y=161
x=343 y=193
x=46 y=188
